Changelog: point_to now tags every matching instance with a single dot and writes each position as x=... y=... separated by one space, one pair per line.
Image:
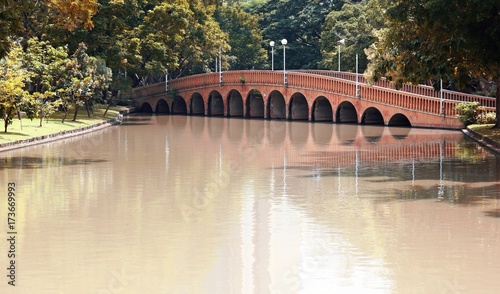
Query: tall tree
x=47 y=74
x=245 y=37
x=13 y=77
x=300 y=22
x=355 y=24
x=202 y=40
x=439 y=39
x=89 y=76
x=29 y=18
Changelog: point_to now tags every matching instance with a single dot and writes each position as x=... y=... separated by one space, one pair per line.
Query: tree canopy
x=438 y=39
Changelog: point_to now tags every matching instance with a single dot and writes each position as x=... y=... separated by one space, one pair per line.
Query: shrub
x=486 y=118
x=467 y=112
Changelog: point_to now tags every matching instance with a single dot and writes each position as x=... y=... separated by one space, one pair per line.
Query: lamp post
x=284 y=42
x=166 y=80
x=341 y=42
x=272 y=54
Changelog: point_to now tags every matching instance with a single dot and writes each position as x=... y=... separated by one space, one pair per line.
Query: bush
x=486 y=118
x=467 y=112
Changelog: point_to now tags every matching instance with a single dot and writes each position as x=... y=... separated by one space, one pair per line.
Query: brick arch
x=234 y=102
x=179 y=105
x=162 y=106
x=298 y=108
x=346 y=113
x=276 y=105
x=196 y=104
x=400 y=120
x=321 y=110
x=146 y=107
x=215 y=104
x=372 y=116
x=254 y=104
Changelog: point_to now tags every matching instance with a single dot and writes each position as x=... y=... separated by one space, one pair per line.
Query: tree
x=245 y=37
x=160 y=37
x=89 y=76
x=71 y=14
x=47 y=68
x=202 y=40
x=12 y=82
x=439 y=39
x=355 y=23
x=29 y=18
x=300 y=22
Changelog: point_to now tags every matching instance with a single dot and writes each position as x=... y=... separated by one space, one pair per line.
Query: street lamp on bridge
x=272 y=54
x=341 y=42
x=284 y=42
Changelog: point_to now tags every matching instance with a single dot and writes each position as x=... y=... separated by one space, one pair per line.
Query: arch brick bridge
x=311 y=95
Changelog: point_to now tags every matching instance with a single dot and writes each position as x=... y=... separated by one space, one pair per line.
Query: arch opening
x=255 y=104
x=146 y=108
x=276 y=106
x=162 y=107
x=299 y=109
x=179 y=105
x=234 y=104
x=197 y=106
x=399 y=120
x=346 y=113
x=215 y=104
x=372 y=116
x=322 y=110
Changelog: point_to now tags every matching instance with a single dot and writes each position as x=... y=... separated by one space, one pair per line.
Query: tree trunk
x=76 y=111
x=41 y=117
x=6 y=121
x=497 y=103
x=66 y=112
x=109 y=105
x=87 y=108
x=20 y=118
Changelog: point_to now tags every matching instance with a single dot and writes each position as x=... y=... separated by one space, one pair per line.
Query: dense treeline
x=61 y=53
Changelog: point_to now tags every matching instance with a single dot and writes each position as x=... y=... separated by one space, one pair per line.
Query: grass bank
x=487 y=131
x=27 y=129
x=486 y=135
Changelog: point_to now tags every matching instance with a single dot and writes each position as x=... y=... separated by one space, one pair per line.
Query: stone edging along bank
x=65 y=134
x=492 y=145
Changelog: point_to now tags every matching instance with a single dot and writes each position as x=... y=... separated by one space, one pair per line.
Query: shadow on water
x=372 y=134
x=29 y=162
x=493 y=213
x=137 y=120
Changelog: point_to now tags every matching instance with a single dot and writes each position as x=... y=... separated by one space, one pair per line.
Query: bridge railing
x=376 y=94
x=488 y=102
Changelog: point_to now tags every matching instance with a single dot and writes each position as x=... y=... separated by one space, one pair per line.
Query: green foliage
x=486 y=118
x=300 y=22
x=245 y=37
x=12 y=82
x=355 y=23
x=438 y=39
x=467 y=112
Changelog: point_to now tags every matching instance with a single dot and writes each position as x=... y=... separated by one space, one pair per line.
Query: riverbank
x=30 y=133
x=485 y=135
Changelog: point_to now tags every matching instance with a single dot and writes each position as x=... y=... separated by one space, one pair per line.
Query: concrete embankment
x=65 y=134
x=492 y=145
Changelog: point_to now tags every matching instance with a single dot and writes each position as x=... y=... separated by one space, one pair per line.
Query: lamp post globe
x=284 y=42
x=272 y=54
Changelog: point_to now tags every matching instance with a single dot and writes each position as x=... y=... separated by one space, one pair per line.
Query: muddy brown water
x=178 y=204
